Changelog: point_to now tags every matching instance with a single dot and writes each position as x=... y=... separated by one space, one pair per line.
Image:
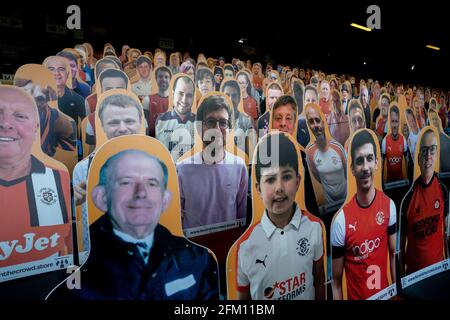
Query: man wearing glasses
x=221 y=176
x=423 y=212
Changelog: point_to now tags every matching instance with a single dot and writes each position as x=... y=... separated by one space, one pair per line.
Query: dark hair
x=359 y=139
x=113 y=73
x=284 y=100
x=298 y=95
x=186 y=79
x=228 y=67
x=163 y=69
x=144 y=59
x=285 y=153
x=210 y=104
x=67 y=55
x=233 y=84
x=355 y=104
x=204 y=73
x=394 y=109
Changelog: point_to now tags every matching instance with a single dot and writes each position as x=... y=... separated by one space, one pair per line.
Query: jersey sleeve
x=243 y=281
x=383 y=147
x=318 y=250
x=392 y=226
x=338 y=235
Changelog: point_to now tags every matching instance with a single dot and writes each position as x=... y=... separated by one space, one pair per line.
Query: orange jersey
x=35 y=216
x=423 y=212
x=361 y=235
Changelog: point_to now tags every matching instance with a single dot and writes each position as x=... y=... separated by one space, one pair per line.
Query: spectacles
x=432 y=149
x=212 y=123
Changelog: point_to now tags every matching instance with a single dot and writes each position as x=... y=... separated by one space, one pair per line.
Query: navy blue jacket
x=176 y=269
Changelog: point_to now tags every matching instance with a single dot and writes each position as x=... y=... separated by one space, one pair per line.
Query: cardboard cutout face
x=134 y=181
x=58 y=131
x=119 y=112
x=297 y=92
x=178 y=136
x=35 y=194
x=326 y=160
x=363 y=185
x=160 y=59
x=162 y=76
x=204 y=81
x=60 y=68
x=214 y=152
x=244 y=133
x=228 y=71
x=394 y=147
x=422 y=242
x=283 y=117
x=272 y=161
x=338 y=121
x=104 y=64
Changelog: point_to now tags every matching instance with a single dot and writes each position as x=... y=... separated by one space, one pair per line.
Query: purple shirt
x=212 y=194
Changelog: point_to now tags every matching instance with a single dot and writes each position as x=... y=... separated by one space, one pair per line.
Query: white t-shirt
x=276 y=263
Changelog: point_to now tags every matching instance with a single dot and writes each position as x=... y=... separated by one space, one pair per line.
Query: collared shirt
x=278 y=263
x=174 y=133
x=142 y=88
x=143 y=249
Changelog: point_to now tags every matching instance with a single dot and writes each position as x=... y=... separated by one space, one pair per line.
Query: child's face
x=277 y=188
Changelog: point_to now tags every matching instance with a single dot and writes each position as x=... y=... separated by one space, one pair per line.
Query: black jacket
x=176 y=269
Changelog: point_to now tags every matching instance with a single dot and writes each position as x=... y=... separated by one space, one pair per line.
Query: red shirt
x=394 y=151
x=325 y=106
x=250 y=107
x=158 y=105
x=381 y=123
x=362 y=235
x=423 y=224
x=23 y=239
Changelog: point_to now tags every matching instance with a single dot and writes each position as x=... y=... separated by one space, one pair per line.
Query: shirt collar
x=269 y=228
x=189 y=118
x=148 y=240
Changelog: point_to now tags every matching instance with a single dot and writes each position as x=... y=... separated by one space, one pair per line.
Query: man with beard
x=381 y=125
x=394 y=149
x=364 y=229
x=424 y=212
x=221 y=175
x=159 y=102
x=326 y=158
x=175 y=128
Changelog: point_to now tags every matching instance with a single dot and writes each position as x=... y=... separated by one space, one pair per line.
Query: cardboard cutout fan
x=422 y=244
x=327 y=161
x=353 y=277
x=34 y=200
x=263 y=287
x=58 y=131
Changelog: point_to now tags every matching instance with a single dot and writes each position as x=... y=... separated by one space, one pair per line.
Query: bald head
x=18 y=125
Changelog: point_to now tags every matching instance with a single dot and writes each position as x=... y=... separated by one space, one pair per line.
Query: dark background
x=311 y=34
